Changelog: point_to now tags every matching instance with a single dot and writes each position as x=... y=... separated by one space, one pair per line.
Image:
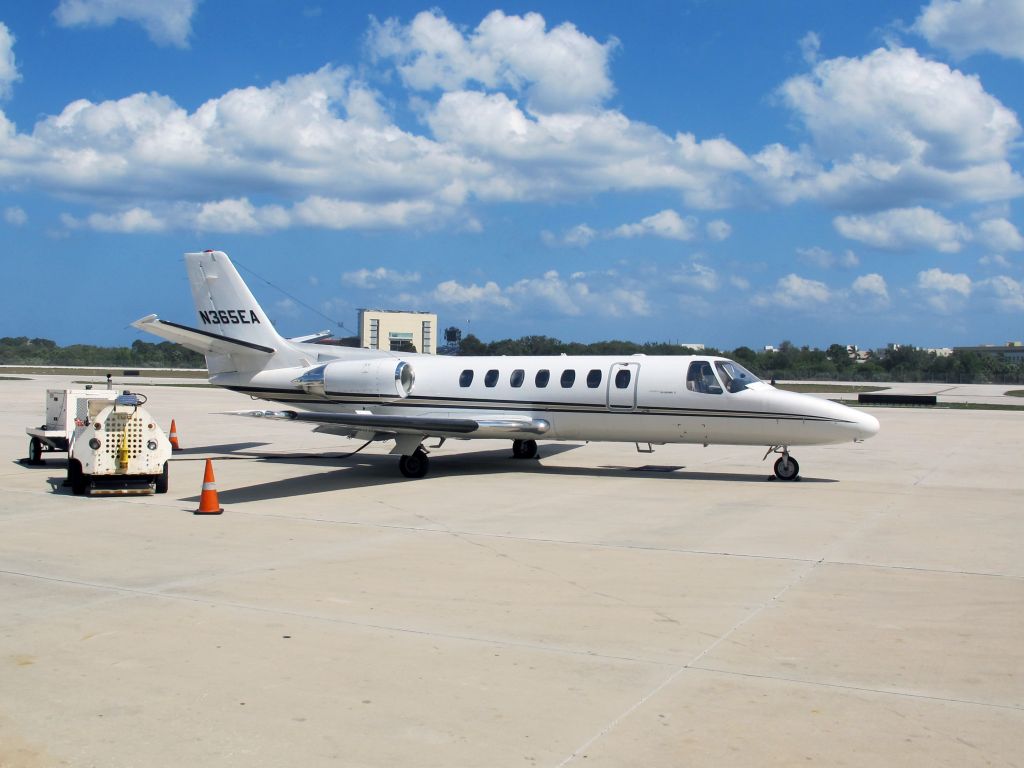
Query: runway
x=596 y=607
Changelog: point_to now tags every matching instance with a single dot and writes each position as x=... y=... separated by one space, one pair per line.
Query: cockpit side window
x=735 y=377
x=701 y=378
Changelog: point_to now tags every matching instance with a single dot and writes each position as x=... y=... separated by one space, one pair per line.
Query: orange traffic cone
x=173 y=437
x=208 y=502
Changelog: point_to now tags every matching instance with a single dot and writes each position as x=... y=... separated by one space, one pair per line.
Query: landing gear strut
x=524 y=449
x=786 y=467
x=414 y=465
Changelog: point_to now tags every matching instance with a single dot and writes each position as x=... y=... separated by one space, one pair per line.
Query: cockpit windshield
x=734 y=376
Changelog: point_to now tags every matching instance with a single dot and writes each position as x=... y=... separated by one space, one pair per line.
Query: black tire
x=787 y=468
x=415 y=465
x=78 y=480
x=163 y=479
x=35 y=451
x=524 y=449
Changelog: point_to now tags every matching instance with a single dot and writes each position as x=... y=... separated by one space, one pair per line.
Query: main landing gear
x=524 y=449
x=786 y=467
x=415 y=465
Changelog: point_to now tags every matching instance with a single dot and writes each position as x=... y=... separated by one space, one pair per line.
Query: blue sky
x=719 y=172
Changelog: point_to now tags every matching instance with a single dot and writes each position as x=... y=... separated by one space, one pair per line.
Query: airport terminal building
x=398 y=331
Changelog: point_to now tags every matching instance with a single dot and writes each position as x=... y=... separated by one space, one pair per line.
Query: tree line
x=21 y=350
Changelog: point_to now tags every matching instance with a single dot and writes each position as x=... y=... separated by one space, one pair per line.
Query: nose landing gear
x=786 y=467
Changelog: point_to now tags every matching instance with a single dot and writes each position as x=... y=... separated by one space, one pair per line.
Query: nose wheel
x=786 y=467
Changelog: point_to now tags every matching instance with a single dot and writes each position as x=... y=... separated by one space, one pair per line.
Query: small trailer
x=64 y=408
x=118 y=449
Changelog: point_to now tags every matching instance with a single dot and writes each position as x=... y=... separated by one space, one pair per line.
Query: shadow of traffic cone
x=173 y=437
x=208 y=502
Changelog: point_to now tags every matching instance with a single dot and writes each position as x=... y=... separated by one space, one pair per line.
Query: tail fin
x=225 y=304
x=233 y=332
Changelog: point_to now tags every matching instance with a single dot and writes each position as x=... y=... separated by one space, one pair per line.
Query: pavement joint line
x=444 y=530
x=862 y=689
x=614 y=723
x=137 y=592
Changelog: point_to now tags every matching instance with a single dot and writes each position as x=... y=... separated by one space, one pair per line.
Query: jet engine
x=379 y=377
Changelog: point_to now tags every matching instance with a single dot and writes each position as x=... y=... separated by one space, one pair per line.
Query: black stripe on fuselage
x=498 y=406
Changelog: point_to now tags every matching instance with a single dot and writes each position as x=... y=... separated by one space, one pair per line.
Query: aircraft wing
x=497 y=425
x=203 y=342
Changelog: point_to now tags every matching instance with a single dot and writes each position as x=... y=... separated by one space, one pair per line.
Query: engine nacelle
x=378 y=377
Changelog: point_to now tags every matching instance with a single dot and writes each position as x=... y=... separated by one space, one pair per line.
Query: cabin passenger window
x=491 y=377
x=700 y=378
x=516 y=380
x=466 y=378
x=568 y=378
x=543 y=377
x=622 y=378
x=594 y=378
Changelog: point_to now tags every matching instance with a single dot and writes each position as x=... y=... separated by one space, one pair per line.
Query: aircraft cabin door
x=622 y=386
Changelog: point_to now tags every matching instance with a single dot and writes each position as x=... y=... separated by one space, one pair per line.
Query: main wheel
x=35 y=451
x=163 y=478
x=414 y=465
x=787 y=468
x=524 y=449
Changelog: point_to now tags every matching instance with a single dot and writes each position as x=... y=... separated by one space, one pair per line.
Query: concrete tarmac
x=598 y=607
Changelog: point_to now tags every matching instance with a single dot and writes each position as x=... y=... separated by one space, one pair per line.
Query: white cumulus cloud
x=893 y=125
x=8 y=66
x=966 y=27
x=167 y=22
x=560 y=69
x=1008 y=293
x=15 y=216
x=825 y=259
x=667 y=224
x=371 y=278
x=718 y=230
x=944 y=292
x=904 y=229
x=871 y=286
x=795 y=292
x=1001 y=235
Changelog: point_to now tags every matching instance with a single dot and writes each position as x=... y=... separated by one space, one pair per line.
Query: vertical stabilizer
x=224 y=303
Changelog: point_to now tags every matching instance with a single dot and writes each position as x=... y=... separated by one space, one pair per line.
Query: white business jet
x=383 y=395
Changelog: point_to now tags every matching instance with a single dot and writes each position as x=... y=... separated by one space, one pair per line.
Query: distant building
x=768 y=348
x=940 y=351
x=857 y=354
x=1011 y=352
x=694 y=347
x=397 y=331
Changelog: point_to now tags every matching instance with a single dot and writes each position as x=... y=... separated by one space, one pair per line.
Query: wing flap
x=440 y=426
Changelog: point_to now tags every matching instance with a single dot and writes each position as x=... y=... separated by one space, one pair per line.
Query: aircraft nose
x=867 y=425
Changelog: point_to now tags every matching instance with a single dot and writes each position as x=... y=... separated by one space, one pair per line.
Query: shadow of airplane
x=369 y=470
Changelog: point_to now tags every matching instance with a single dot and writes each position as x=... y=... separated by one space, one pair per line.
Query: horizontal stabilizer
x=197 y=340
